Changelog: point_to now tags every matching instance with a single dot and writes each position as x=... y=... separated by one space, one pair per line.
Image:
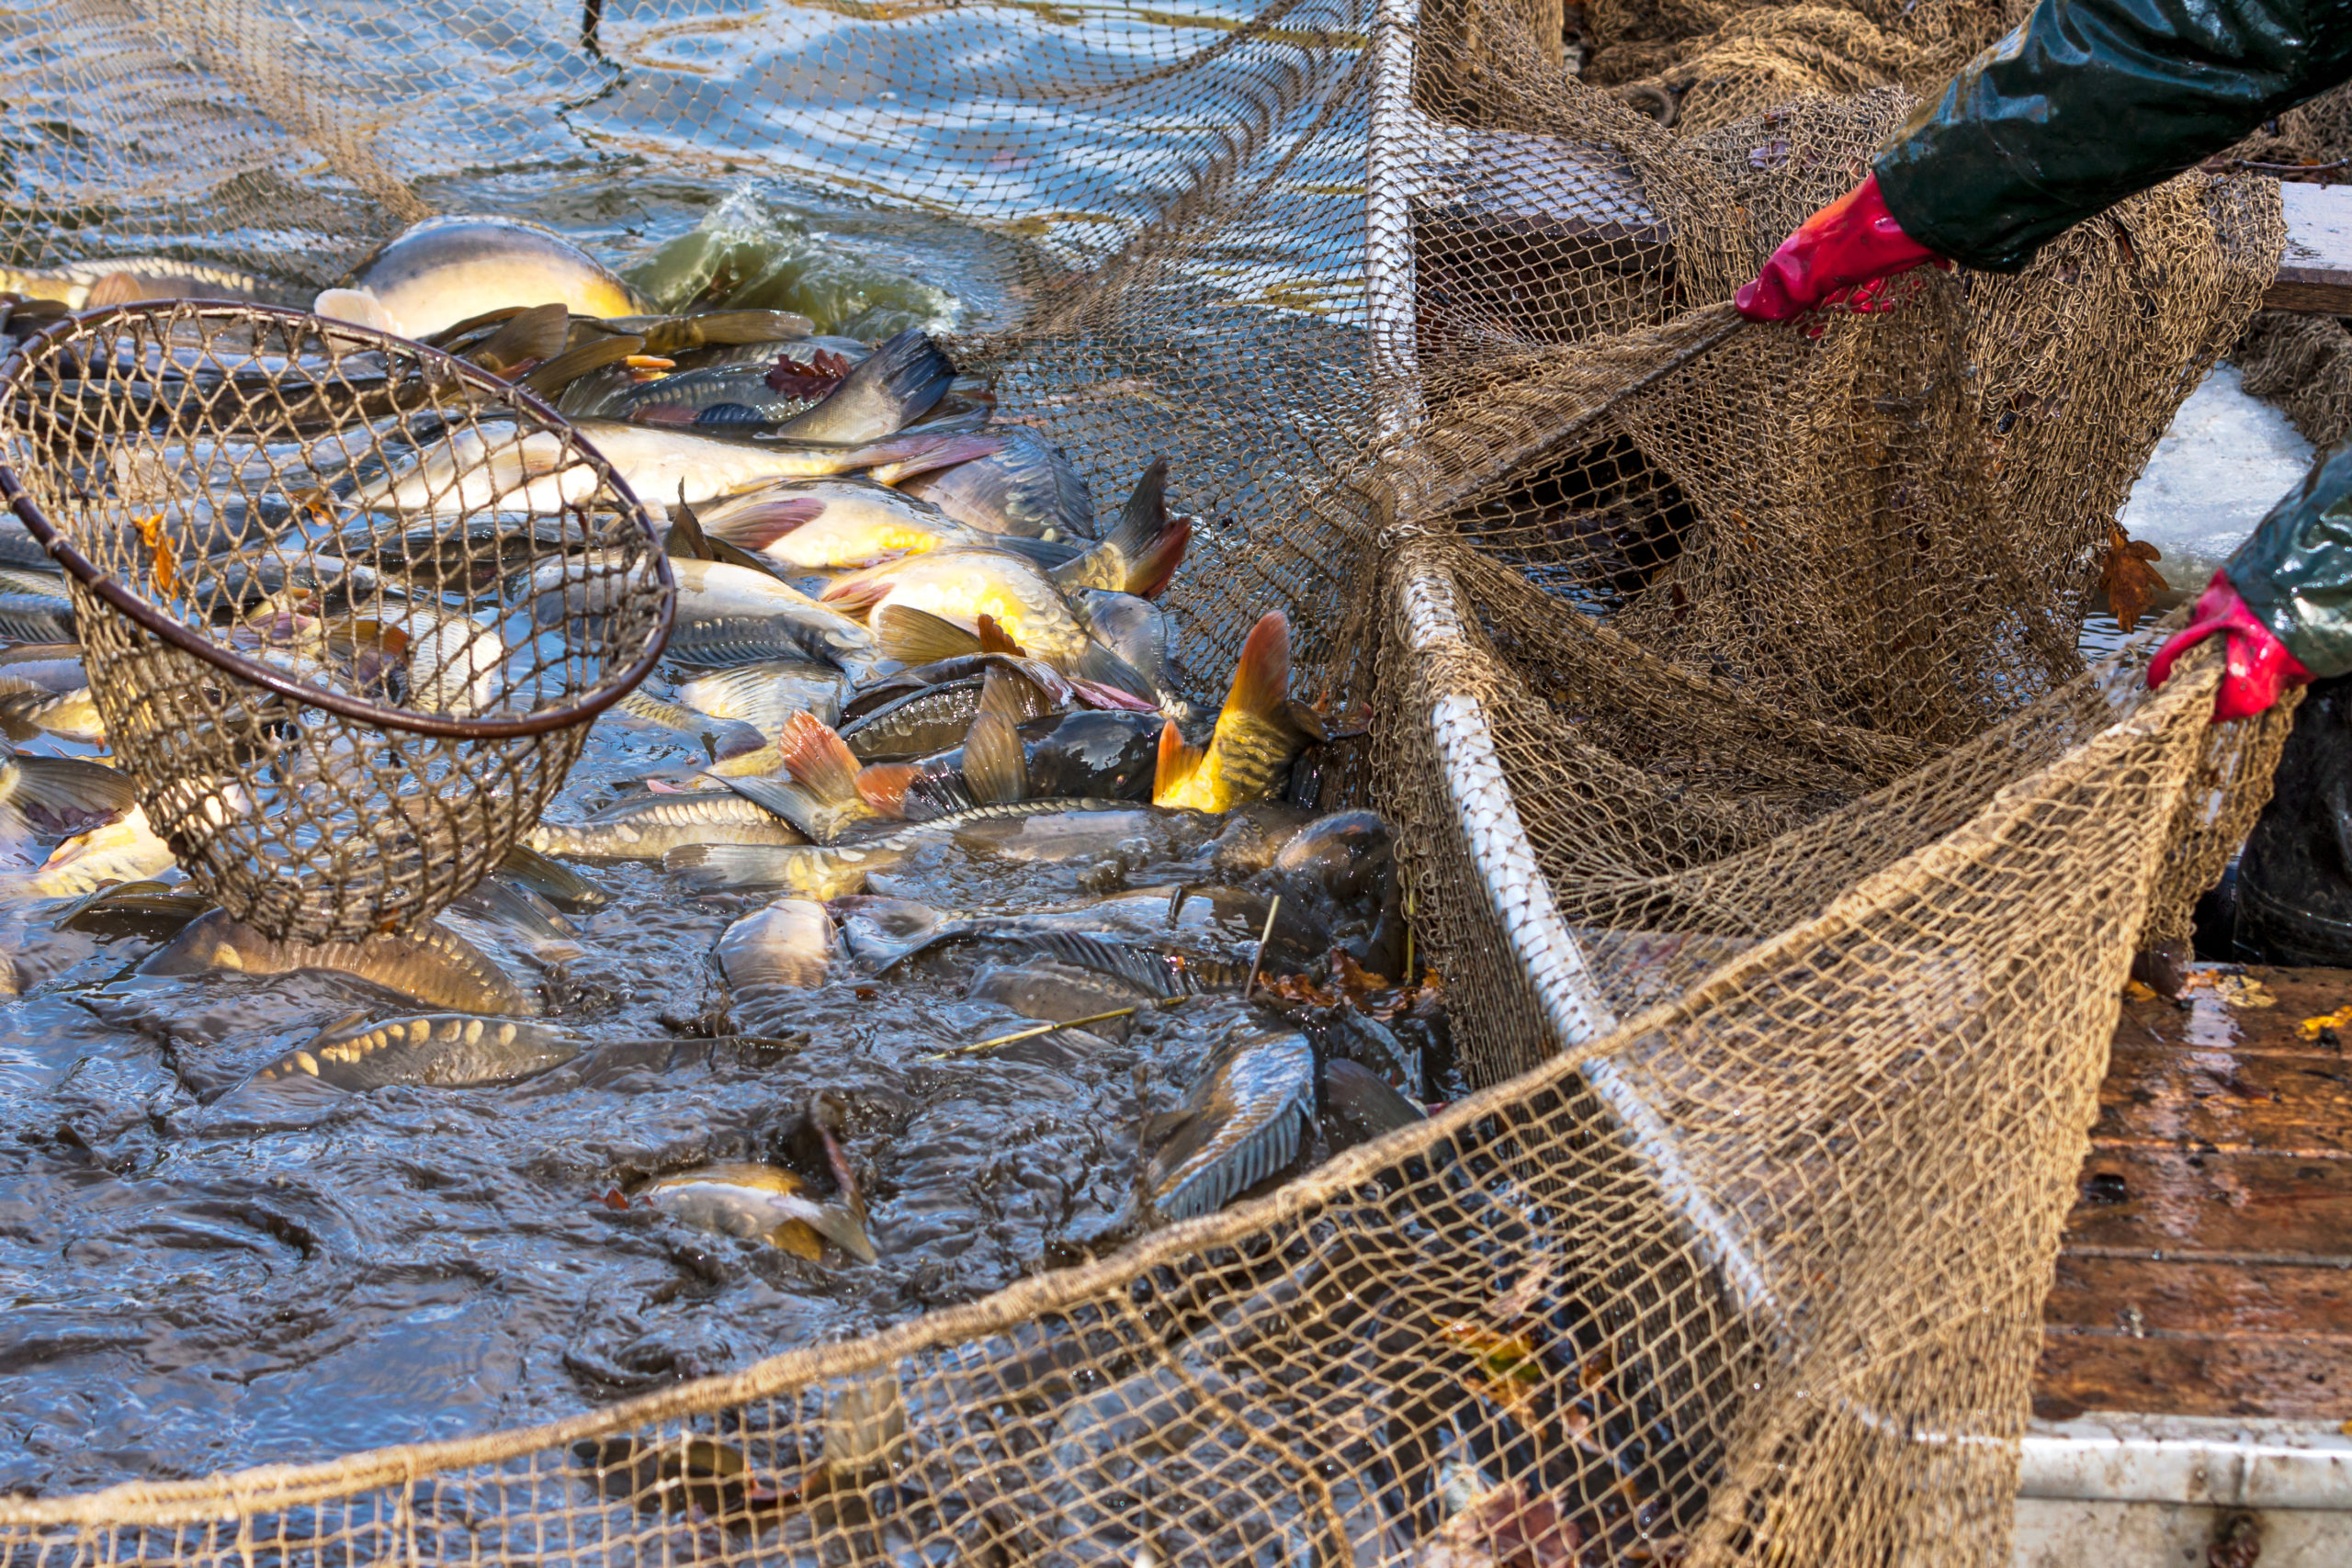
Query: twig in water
x=1030 y=1033
x=1263 y=937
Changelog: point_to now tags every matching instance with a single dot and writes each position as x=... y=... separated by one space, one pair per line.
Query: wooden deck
x=2207 y=1269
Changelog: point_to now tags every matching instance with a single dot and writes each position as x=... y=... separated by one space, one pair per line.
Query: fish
x=518 y=910
x=559 y=885
x=124 y=850
x=51 y=666
x=649 y=827
x=1359 y=1105
x=456 y=666
x=1160 y=969
x=723 y=737
x=960 y=585
x=937 y=706
x=761 y=1203
x=63 y=794
x=790 y=943
x=434 y=965
x=119 y=280
x=880 y=931
x=1108 y=755
x=435 y=273
x=818 y=525
x=443 y=1050
x=35 y=617
x=1259 y=734
x=1137 y=630
x=711 y=593
x=1026 y=487
x=902 y=380
x=827 y=795
x=988 y=768
x=766 y=695
x=1140 y=554
x=1340 y=870
x=1246 y=1118
x=813 y=871
x=1057 y=993
x=722 y=642
x=493 y=465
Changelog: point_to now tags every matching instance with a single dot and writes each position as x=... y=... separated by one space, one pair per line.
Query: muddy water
x=201 y=1272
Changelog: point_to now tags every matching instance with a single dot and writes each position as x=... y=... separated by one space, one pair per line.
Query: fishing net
x=326 y=777
x=1758 y=809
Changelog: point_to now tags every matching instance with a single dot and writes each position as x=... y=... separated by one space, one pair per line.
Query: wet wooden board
x=2207 y=1266
x=2315 y=273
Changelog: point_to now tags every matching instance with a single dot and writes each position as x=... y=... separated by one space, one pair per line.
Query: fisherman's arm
x=2086 y=103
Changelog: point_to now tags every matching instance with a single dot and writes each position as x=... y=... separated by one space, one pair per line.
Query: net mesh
x=1783 y=859
x=327 y=776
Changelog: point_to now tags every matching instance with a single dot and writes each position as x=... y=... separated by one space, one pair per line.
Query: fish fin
x=1306 y=720
x=551 y=880
x=1262 y=675
x=789 y=801
x=1046 y=555
x=116 y=289
x=853 y=596
x=685 y=539
x=903 y=457
x=1093 y=693
x=839 y=1225
x=1142 y=551
x=994 y=638
x=1009 y=695
x=553 y=377
x=918 y=637
x=760 y=524
x=726 y=865
x=995 y=769
x=818 y=760
x=532 y=337
x=726 y=328
x=356 y=306
x=882 y=787
x=1104 y=667
x=1179 y=760
x=68 y=794
x=910 y=372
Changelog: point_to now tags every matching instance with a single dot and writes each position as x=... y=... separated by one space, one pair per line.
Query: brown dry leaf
x=1506 y=1529
x=2127 y=578
x=1510 y=1367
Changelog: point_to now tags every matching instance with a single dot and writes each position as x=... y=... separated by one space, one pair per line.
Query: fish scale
x=432 y=965
x=443 y=1050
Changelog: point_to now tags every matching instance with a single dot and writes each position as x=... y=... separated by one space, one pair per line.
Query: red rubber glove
x=1853 y=241
x=2260 y=668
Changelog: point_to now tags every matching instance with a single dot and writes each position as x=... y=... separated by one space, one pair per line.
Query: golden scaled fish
x=435 y=966
x=763 y=1201
x=1259 y=734
x=445 y=270
x=118 y=280
x=444 y=1050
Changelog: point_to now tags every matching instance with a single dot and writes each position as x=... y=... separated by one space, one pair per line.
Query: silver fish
x=766 y=696
x=445 y=270
x=762 y=1201
x=790 y=943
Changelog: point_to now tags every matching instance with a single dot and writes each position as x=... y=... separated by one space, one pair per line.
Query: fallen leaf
x=2313 y=1028
x=2127 y=578
x=1510 y=1530
x=2135 y=992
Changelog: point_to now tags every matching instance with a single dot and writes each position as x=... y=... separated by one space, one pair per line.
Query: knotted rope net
x=1782 y=855
x=214 y=477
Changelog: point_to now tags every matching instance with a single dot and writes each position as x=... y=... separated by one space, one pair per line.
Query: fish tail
x=1260 y=687
x=530 y=337
x=996 y=769
x=994 y=638
x=882 y=787
x=818 y=760
x=1141 y=553
x=757 y=525
x=918 y=637
x=910 y=372
x=1178 y=761
x=903 y=457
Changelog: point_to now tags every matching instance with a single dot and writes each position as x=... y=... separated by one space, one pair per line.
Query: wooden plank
x=2207 y=1267
x=2290 y=1376
x=2315 y=273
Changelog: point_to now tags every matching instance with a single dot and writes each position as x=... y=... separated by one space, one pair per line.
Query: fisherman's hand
x=1838 y=255
x=2260 y=668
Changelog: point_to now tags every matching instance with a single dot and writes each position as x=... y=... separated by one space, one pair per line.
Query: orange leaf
x=2127 y=578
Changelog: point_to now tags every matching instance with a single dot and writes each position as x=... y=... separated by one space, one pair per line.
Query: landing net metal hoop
x=348 y=604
